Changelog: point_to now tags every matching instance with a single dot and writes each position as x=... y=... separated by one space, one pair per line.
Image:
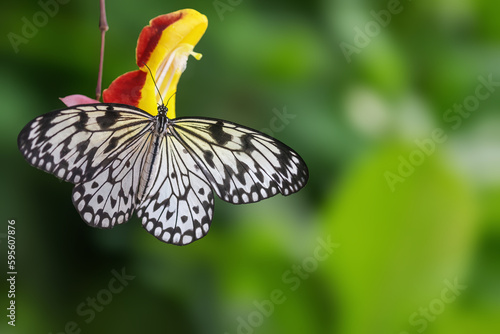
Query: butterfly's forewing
x=100 y=148
x=177 y=204
x=76 y=143
x=242 y=165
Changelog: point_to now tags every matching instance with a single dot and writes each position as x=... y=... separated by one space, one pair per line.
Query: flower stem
x=103 y=27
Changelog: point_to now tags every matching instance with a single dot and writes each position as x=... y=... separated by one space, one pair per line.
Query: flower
x=164 y=47
x=76 y=99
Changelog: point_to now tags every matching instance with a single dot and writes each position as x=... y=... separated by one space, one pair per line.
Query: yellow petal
x=164 y=47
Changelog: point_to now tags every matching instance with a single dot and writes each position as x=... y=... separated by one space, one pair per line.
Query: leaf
x=397 y=248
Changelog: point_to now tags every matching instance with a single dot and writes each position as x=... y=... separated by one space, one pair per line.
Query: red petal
x=150 y=35
x=76 y=99
x=126 y=88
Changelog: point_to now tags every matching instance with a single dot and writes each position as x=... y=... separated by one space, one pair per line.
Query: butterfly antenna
x=156 y=86
x=171 y=98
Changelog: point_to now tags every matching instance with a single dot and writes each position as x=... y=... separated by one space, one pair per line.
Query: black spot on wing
x=246 y=142
x=113 y=201
x=241 y=172
x=82 y=146
x=109 y=119
x=113 y=143
x=125 y=197
x=209 y=158
x=65 y=147
x=46 y=148
x=82 y=121
x=217 y=132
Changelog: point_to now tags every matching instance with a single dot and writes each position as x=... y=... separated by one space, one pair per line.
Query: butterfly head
x=162 y=109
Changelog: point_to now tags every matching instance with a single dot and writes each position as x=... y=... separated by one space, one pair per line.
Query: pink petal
x=76 y=99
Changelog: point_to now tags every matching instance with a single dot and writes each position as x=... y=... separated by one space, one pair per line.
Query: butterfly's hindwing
x=110 y=197
x=177 y=206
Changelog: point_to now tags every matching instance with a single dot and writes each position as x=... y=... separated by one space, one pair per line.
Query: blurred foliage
x=353 y=121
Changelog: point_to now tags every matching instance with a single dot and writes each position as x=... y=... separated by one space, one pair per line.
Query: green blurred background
x=417 y=254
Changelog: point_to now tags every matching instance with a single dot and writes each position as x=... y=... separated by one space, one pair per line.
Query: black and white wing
x=241 y=164
x=178 y=203
x=100 y=148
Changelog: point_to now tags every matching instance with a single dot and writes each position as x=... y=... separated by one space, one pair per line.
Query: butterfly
x=123 y=159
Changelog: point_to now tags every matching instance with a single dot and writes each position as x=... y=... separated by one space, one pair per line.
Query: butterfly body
x=123 y=160
x=160 y=125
